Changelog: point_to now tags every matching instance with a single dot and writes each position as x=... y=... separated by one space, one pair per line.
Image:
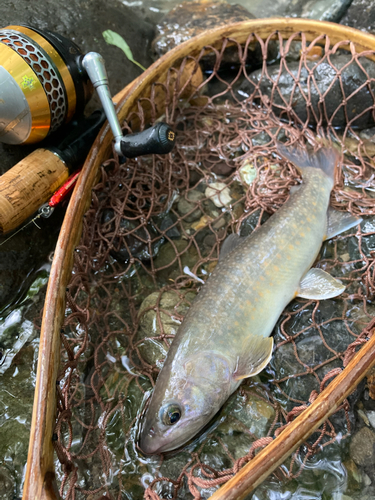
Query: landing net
x=153 y=233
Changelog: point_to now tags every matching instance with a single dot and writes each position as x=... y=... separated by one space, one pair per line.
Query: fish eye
x=170 y=414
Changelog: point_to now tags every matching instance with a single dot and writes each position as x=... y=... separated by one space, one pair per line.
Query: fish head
x=184 y=400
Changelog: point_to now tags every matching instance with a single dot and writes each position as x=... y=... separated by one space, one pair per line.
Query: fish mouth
x=150 y=445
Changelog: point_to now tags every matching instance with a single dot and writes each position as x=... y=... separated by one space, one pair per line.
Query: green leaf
x=113 y=38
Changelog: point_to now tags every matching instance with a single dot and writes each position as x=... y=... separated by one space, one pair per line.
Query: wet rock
x=16 y=402
x=361 y=15
x=368 y=133
x=249 y=224
x=246 y=416
x=354 y=475
x=172 y=307
x=137 y=240
x=188 y=207
x=370 y=375
x=325 y=76
x=167 y=261
x=188 y=19
x=263 y=138
x=168 y=224
x=249 y=172
x=323 y=10
x=251 y=412
x=294 y=50
x=219 y=193
x=362 y=447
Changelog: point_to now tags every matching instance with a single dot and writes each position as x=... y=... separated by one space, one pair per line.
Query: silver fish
x=225 y=336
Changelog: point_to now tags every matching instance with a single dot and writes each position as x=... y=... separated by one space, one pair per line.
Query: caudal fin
x=326 y=158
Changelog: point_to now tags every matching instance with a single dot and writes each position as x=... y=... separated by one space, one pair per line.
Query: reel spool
x=43 y=83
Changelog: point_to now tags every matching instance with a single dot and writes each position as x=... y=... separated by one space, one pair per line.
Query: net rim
x=40 y=476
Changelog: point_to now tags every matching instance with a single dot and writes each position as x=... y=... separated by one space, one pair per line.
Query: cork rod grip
x=29 y=184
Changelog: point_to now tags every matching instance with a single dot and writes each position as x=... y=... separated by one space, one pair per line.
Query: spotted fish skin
x=222 y=337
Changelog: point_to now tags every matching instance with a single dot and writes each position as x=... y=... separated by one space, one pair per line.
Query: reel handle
x=158 y=139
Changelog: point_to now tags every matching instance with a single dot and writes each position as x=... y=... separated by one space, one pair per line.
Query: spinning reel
x=45 y=81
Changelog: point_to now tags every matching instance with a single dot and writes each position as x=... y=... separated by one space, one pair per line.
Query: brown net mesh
x=153 y=233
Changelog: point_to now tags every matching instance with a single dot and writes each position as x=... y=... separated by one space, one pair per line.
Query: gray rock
x=311 y=351
x=188 y=19
x=361 y=15
x=141 y=241
x=173 y=257
x=173 y=307
x=325 y=75
x=368 y=133
x=168 y=224
x=188 y=207
x=251 y=412
x=362 y=447
x=249 y=224
x=323 y=10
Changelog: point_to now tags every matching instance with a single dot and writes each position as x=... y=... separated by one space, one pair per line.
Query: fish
x=225 y=336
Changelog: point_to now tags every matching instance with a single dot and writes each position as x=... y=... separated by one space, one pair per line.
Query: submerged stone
x=362 y=447
x=138 y=240
x=188 y=207
x=305 y=99
x=172 y=307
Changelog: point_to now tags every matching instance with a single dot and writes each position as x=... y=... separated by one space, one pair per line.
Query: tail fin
x=326 y=158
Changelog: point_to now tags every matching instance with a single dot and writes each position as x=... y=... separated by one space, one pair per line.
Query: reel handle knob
x=158 y=139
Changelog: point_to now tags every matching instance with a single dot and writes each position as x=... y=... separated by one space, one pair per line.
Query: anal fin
x=319 y=285
x=339 y=222
x=256 y=358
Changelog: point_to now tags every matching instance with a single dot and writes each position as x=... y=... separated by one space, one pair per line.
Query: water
x=24 y=270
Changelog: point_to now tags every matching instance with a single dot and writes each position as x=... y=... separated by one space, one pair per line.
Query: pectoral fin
x=256 y=358
x=318 y=285
x=338 y=222
x=230 y=243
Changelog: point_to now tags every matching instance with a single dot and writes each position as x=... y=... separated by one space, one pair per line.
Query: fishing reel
x=45 y=81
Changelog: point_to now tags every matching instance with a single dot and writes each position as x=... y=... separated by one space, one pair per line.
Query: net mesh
x=153 y=232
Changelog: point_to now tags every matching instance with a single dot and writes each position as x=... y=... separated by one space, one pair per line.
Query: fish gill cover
x=153 y=233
